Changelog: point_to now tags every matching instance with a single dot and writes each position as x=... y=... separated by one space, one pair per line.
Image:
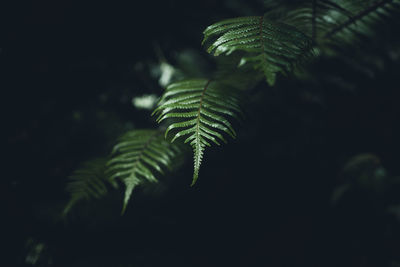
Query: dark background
x=69 y=70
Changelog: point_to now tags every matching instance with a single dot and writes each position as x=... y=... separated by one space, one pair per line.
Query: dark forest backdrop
x=69 y=71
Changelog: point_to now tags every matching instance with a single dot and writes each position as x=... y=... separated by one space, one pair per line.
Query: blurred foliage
x=311 y=180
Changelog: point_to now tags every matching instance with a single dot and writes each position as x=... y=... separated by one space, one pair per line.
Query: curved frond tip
x=199 y=109
x=87 y=182
x=136 y=158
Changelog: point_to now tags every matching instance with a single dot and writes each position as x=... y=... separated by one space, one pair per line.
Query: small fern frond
x=136 y=158
x=201 y=107
x=270 y=46
x=87 y=182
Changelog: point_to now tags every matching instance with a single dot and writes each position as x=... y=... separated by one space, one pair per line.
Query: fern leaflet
x=200 y=106
x=272 y=47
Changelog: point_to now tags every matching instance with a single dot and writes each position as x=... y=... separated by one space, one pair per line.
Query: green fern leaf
x=271 y=47
x=87 y=182
x=200 y=106
x=136 y=158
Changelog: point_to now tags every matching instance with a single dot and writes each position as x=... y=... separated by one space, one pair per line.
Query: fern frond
x=136 y=158
x=201 y=107
x=270 y=46
x=87 y=182
x=361 y=23
x=340 y=22
x=315 y=18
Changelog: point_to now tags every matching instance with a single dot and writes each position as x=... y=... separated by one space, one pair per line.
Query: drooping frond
x=342 y=21
x=270 y=46
x=201 y=107
x=314 y=18
x=87 y=182
x=361 y=25
x=136 y=158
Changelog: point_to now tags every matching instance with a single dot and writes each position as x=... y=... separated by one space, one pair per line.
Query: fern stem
x=313 y=20
x=198 y=146
x=145 y=145
x=201 y=100
x=262 y=39
x=357 y=17
x=200 y=105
